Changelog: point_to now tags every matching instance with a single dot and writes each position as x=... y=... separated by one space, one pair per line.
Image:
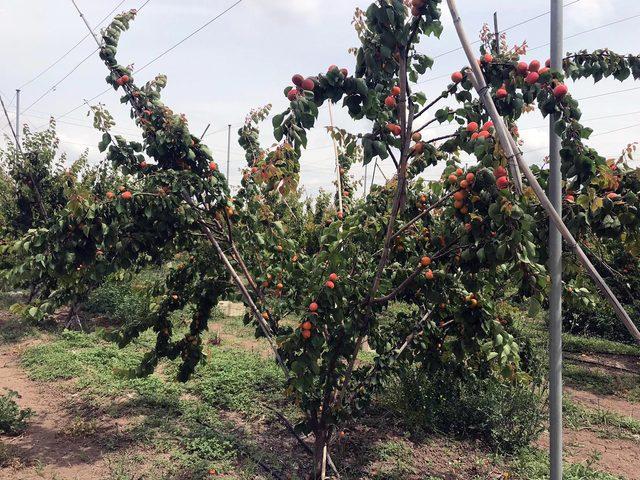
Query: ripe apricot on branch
x=333 y=277
x=297 y=80
x=213 y=166
x=456 y=77
x=306 y=334
x=502 y=183
x=124 y=79
x=472 y=127
x=534 y=66
x=329 y=284
x=522 y=68
x=428 y=274
x=313 y=307
x=395 y=90
x=308 y=84
x=425 y=261
x=500 y=172
x=293 y=94
x=390 y=102
x=532 y=78
x=560 y=91
x=501 y=93
x=126 y=195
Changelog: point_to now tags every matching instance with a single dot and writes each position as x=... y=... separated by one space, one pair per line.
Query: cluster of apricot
x=124 y=194
x=483 y=132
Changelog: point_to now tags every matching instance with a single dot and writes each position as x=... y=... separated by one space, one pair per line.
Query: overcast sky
x=246 y=58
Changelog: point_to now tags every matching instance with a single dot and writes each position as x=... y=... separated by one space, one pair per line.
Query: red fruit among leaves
x=126 y=195
x=297 y=79
x=502 y=183
x=522 y=68
x=500 y=172
x=560 y=91
x=308 y=84
x=501 y=93
x=472 y=127
x=484 y=134
x=570 y=198
x=213 y=166
x=474 y=135
x=534 y=66
x=488 y=58
x=293 y=94
x=390 y=101
x=122 y=80
x=456 y=77
x=306 y=334
x=548 y=63
x=333 y=277
x=487 y=126
x=344 y=72
x=329 y=284
x=395 y=91
x=532 y=78
x=313 y=307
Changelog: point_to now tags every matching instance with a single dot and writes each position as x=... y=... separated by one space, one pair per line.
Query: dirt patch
x=613 y=404
x=614 y=456
x=63 y=441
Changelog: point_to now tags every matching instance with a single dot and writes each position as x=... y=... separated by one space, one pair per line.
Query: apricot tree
x=438 y=247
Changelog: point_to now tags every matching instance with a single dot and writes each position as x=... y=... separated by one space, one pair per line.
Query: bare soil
x=49 y=449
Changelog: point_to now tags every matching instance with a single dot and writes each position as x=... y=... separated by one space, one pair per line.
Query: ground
x=94 y=421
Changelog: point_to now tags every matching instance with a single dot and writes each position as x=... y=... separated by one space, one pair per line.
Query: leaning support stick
x=512 y=152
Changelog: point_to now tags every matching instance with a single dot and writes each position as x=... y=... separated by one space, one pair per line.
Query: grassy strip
x=624 y=385
x=601 y=420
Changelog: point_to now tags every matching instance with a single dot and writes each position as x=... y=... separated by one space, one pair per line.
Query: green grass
x=601 y=383
x=183 y=421
x=15 y=329
x=533 y=464
x=396 y=460
x=603 y=421
x=579 y=343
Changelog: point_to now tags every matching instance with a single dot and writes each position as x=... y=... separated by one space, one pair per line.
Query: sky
x=246 y=57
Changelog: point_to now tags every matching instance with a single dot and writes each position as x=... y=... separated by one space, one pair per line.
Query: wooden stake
x=335 y=152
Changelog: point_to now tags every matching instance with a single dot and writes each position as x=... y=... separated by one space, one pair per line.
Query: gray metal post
x=365 y=181
x=17 y=121
x=497 y=32
x=228 y=152
x=555 y=265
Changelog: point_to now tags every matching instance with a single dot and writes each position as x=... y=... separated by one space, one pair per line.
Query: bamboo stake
x=324 y=462
x=480 y=86
x=335 y=152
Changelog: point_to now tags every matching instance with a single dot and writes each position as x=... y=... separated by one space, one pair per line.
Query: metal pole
x=497 y=32
x=17 y=121
x=228 y=151
x=555 y=265
x=365 y=181
x=205 y=131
